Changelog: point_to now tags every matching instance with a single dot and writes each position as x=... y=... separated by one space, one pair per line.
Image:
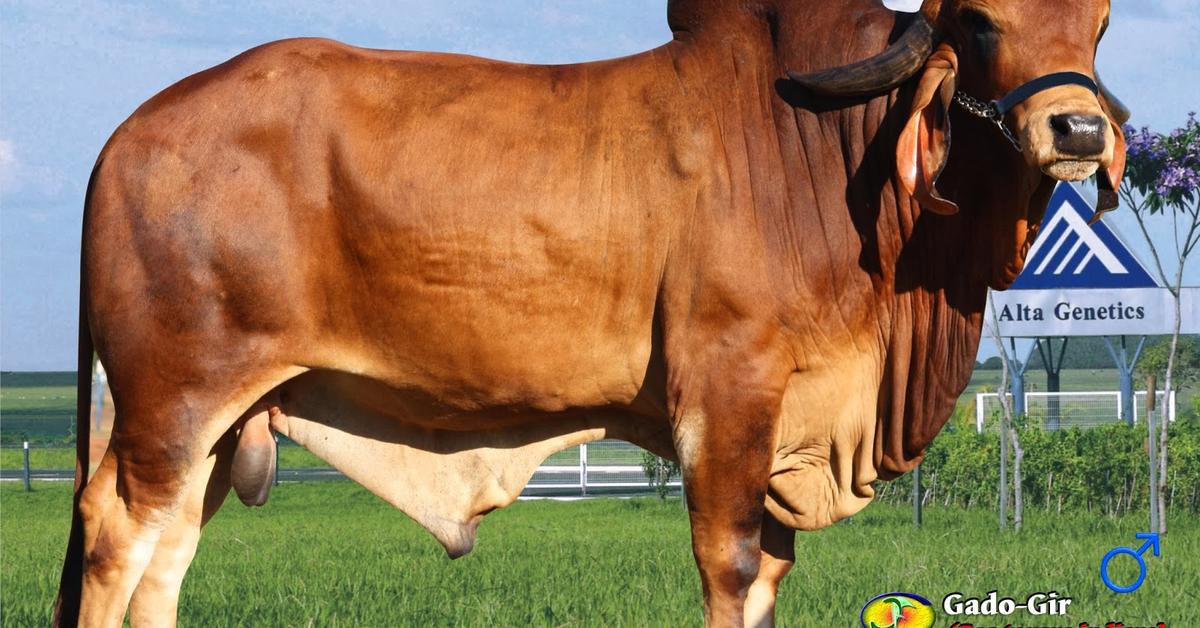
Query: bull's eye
x=975 y=22
x=981 y=33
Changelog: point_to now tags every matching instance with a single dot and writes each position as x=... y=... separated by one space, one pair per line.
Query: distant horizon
x=980 y=359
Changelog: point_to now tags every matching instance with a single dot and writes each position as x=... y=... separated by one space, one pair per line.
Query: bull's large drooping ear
x=1108 y=181
x=924 y=143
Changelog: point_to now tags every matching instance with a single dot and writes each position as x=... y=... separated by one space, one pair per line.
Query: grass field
x=40 y=406
x=330 y=554
x=1077 y=380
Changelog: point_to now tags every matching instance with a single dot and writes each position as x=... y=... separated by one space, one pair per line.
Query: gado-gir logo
x=897 y=610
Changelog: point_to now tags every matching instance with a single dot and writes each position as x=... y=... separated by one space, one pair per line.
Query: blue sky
x=70 y=72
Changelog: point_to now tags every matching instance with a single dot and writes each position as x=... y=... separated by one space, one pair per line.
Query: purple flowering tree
x=1162 y=182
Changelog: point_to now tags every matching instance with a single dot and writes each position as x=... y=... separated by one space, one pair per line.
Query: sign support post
x=1016 y=376
x=1045 y=347
x=1125 y=370
x=1151 y=388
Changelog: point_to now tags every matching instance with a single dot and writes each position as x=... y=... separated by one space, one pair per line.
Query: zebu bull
x=435 y=270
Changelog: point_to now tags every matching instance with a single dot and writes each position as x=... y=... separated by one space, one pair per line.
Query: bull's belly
x=447 y=474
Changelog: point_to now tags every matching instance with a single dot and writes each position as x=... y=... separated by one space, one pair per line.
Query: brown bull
x=435 y=270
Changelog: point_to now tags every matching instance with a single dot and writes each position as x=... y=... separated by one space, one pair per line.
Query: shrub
x=1101 y=469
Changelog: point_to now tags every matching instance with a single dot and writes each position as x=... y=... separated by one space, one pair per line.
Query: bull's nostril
x=1078 y=135
x=1061 y=125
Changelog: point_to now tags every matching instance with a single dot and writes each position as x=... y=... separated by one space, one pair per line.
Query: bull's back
x=493 y=234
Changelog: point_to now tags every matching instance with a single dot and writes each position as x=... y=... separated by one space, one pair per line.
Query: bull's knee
x=731 y=566
x=728 y=563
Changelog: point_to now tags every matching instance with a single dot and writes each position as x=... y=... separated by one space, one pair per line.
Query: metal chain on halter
x=987 y=111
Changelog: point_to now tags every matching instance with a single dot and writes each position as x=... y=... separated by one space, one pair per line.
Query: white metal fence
x=1071 y=409
x=1161 y=404
x=603 y=466
x=599 y=466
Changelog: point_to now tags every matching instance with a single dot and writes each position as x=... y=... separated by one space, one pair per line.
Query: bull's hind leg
x=123 y=517
x=156 y=599
x=158 y=453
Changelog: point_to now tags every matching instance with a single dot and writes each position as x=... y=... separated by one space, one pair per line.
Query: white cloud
x=30 y=181
x=8 y=165
x=908 y=6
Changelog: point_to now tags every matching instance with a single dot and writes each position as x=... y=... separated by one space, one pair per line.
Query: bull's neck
x=852 y=251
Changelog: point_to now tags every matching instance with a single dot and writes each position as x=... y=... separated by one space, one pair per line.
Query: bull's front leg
x=725 y=443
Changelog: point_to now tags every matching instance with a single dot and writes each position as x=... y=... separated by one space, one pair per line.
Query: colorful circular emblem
x=897 y=610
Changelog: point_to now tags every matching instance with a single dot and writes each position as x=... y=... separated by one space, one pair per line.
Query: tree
x=1187 y=361
x=1162 y=182
x=659 y=472
x=993 y=363
x=1008 y=435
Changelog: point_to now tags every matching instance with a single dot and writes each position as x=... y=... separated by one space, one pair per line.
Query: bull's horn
x=1118 y=109
x=880 y=73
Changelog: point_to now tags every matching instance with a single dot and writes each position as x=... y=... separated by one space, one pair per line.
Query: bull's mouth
x=1071 y=169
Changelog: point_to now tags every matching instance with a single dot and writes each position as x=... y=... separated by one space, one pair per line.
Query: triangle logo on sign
x=1070 y=253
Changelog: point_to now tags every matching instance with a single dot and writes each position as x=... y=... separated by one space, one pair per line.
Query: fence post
x=978 y=413
x=28 y=485
x=916 y=498
x=583 y=469
x=1003 y=477
x=276 y=480
x=1152 y=446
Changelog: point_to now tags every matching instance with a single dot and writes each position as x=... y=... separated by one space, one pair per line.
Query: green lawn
x=1082 y=380
x=39 y=406
x=330 y=554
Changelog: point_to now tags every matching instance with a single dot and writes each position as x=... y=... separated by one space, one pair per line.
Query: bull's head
x=1037 y=59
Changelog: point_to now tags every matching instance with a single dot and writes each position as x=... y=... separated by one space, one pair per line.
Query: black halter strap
x=1042 y=83
x=995 y=110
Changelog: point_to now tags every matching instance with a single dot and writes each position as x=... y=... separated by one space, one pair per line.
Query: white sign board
x=1081 y=280
x=1091 y=312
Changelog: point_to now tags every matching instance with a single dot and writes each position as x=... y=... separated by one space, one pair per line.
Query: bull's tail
x=70 y=586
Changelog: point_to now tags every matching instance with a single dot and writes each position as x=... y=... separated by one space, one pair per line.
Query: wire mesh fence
x=1064 y=410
